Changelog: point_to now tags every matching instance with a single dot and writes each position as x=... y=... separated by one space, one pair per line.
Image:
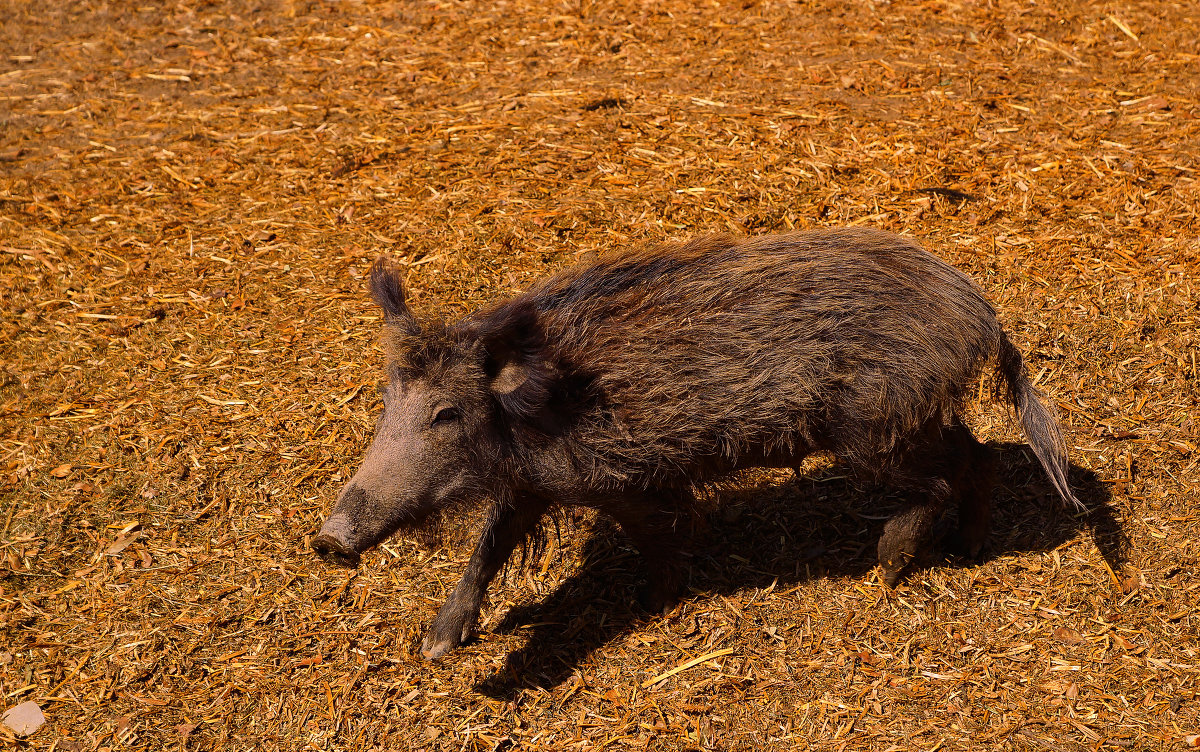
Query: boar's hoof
x=963 y=545
x=334 y=551
x=435 y=646
x=653 y=604
x=891 y=575
x=658 y=600
x=454 y=623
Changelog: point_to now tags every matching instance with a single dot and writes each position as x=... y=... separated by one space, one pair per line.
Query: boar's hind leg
x=974 y=478
x=652 y=523
x=954 y=465
x=507 y=526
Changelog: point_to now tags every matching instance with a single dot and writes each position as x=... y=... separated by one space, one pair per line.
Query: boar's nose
x=333 y=542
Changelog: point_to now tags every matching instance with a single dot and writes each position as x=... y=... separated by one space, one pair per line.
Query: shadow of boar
x=628 y=383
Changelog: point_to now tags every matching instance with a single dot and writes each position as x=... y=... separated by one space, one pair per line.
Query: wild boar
x=627 y=383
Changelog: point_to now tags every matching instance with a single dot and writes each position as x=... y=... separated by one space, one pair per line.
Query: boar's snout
x=362 y=518
x=333 y=542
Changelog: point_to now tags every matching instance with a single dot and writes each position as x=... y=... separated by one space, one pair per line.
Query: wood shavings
x=190 y=195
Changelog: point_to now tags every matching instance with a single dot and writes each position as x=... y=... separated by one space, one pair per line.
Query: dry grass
x=190 y=194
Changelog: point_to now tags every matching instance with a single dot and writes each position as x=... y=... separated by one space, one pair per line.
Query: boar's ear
x=388 y=291
x=514 y=360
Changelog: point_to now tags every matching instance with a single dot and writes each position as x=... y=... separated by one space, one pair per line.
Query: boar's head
x=452 y=400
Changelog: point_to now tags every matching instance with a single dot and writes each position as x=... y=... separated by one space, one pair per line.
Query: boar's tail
x=1038 y=421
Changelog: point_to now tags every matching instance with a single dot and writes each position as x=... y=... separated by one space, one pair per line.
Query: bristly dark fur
x=685 y=362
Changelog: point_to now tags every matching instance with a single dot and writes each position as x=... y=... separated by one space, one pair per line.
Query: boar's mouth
x=335 y=552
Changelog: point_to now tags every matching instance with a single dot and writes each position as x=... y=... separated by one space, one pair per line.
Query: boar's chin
x=414 y=521
x=430 y=533
x=417 y=521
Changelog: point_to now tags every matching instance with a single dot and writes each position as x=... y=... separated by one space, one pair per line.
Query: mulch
x=191 y=194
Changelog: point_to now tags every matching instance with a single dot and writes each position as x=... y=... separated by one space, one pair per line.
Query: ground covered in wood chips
x=191 y=192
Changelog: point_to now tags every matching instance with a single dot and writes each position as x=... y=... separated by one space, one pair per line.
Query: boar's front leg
x=508 y=524
x=652 y=523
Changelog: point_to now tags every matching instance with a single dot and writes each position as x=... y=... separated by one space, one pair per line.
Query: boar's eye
x=446 y=415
